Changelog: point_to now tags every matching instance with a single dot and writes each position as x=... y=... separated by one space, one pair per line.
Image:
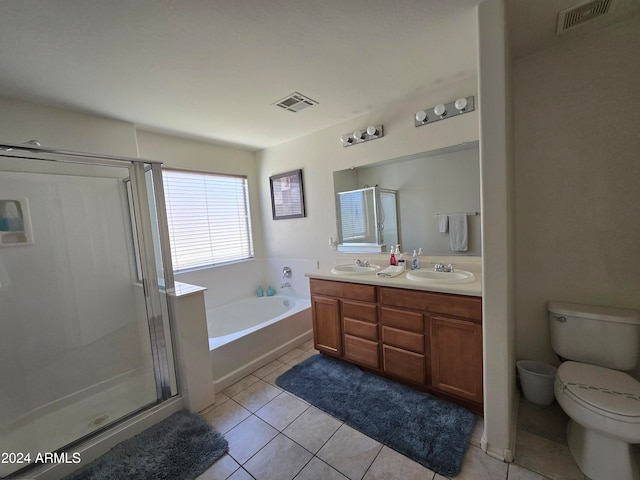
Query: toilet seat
x=603 y=391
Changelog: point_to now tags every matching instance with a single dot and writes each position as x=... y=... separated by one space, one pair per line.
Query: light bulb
x=346 y=139
x=371 y=130
x=358 y=135
x=421 y=116
x=440 y=110
x=461 y=104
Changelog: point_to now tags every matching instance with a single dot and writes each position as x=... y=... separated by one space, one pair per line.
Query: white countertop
x=471 y=264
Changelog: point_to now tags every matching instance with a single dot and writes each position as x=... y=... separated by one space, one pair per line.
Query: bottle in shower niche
x=10 y=218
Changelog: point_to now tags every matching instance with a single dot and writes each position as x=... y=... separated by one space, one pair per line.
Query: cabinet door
x=327 y=334
x=456 y=357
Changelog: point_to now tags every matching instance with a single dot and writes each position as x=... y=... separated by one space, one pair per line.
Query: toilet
x=597 y=345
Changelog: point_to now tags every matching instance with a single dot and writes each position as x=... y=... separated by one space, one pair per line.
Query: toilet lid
x=605 y=389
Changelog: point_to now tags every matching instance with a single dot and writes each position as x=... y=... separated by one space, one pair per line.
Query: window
x=208 y=217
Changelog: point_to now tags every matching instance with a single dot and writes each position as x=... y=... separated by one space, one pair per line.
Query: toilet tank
x=604 y=336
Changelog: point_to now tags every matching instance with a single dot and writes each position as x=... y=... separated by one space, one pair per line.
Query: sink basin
x=353 y=269
x=431 y=276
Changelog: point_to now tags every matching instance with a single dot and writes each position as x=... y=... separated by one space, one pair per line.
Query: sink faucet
x=439 y=267
x=360 y=263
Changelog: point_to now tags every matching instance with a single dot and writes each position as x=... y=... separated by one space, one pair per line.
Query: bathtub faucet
x=285 y=284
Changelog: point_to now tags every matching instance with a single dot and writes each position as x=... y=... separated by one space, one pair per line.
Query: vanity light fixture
x=360 y=136
x=443 y=111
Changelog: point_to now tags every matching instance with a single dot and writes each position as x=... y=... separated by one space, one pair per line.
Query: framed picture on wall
x=287 y=195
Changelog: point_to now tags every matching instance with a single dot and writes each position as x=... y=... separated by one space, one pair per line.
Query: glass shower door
x=78 y=348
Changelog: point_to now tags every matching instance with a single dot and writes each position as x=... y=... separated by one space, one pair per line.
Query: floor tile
x=282 y=410
x=271 y=378
x=221 y=469
x=290 y=355
x=241 y=474
x=391 y=465
x=350 y=452
x=477 y=465
x=301 y=358
x=248 y=438
x=516 y=472
x=547 y=421
x=268 y=368
x=307 y=346
x=257 y=395
x=312 y=429
x=316 y=469
x=280 y=459
x=240 y=385
x=546 y=457
x=226 y=416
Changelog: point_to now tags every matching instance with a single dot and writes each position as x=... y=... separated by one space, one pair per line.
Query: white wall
x=498 y=325
x=64 y=129
x=577 y=171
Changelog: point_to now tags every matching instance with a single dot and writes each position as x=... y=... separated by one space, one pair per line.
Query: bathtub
x=247 y=334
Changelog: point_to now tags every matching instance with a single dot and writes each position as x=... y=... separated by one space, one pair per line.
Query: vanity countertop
x=471 y=264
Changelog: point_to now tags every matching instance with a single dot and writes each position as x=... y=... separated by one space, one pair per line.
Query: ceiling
x=211 y=69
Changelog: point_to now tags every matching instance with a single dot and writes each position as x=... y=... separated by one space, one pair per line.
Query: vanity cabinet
x=345 y=321
x=429 y=340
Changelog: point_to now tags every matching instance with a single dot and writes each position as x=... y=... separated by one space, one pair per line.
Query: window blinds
x=208 y=217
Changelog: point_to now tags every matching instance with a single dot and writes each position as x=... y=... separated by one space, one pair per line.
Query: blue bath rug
x=431 y=431
x=180 y=447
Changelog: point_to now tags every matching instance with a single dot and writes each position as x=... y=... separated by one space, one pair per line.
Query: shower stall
x=85 y=270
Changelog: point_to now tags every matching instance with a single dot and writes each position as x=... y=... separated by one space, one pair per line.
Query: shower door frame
x=143 y=231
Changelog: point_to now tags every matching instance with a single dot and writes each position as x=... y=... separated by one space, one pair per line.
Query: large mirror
x=433 y=189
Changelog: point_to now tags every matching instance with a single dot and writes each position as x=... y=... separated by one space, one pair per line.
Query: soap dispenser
x=392 y=259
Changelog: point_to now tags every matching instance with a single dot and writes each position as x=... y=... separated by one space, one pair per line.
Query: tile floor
x=274 y=435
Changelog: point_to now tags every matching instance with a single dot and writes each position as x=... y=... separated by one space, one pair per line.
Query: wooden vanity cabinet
x=430 y=340
x=345 y=321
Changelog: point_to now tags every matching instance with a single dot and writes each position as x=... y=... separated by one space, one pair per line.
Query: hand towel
x=443 y=222
x=391 y=271
x=458 y=233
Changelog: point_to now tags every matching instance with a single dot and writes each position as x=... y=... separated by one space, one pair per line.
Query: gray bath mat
x=180 y=447
x=433 y=432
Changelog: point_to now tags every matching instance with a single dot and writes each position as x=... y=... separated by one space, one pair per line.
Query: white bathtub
x=247 y=334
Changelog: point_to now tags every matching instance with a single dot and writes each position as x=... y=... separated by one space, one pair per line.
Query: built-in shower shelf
x=15 y=222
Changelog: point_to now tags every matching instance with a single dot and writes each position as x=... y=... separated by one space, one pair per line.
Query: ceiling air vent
x=295 y=102
x=579 y=14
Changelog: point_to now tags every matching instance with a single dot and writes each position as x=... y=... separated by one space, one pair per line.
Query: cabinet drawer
x=361 y=329
x=367 y=312
x=404 y=364
x=352 y=291
x=402 y=319
x=361 y=351
x=401 y=338
x=448 y=304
